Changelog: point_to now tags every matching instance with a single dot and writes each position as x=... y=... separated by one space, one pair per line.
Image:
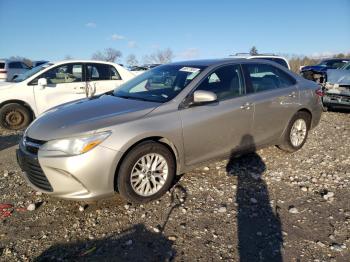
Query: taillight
x=3 y=71
x=319 y=92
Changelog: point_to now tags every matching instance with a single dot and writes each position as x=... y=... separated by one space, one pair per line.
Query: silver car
x=10 y=69
x=135 y=139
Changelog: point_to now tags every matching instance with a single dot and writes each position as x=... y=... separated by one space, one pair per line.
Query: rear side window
x=226 y=82
x=96 y=72
x=15 y=65
x=265 y=77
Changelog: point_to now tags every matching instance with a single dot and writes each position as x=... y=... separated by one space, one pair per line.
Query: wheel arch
x=303 y=109
x=159 y=139
x=308 y=112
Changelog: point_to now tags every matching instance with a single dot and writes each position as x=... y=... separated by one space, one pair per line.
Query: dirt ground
x=265 y=206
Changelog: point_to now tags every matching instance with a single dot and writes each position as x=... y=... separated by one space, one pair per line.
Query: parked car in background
x=165 y=122
x=40 y=62
x=10 y=69
x=337 y=88
x=318 y=72
x=52 y=84
x=271 y=57
x=137 y=70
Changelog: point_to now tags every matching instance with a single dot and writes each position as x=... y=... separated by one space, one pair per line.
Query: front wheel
x=14 y=116
x=146 y=172
x=297 y=132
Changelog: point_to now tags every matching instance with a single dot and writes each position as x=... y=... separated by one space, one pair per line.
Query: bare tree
x=253 y=51
x=109 y=55
x=131 y=60
x=68 y=57
x=160 y=57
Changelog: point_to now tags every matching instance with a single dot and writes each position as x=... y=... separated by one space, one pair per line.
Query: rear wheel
x=14 y=116
x=146 y=173
x=297 y=132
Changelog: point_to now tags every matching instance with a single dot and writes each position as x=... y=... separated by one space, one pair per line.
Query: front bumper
x=89 y=176
x=336 y=100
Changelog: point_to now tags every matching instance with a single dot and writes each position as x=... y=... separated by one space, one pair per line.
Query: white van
x=52 y=84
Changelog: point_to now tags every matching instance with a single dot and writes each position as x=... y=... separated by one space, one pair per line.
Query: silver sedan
x=170 y=119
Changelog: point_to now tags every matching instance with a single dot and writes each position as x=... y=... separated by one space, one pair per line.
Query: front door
x=218 y=128
x=65 y=83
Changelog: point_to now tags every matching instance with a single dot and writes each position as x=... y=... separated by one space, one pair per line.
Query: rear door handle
x=246 y=106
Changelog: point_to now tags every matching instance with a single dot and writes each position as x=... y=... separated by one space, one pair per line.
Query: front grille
x=337 y=98
x=32 y=145
x=30 y=165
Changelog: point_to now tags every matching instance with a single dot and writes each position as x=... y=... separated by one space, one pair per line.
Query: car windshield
x=160 y=84
x=346 y=66
x=31 y=72
x=332 y=63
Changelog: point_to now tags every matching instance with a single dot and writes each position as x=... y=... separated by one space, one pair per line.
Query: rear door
x=102 y=77
x=65 y=83
x=276 y=98
x=218 y=128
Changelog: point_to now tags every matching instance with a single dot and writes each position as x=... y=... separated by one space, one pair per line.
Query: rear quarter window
x=2 y=65
x=15 y=65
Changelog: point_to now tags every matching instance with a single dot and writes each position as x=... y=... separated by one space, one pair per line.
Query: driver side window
x=226 y=82
x=67 y=73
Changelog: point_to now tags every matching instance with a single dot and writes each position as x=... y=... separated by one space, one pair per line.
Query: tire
x=288 y=144
x=127 y=189
x=14 y=116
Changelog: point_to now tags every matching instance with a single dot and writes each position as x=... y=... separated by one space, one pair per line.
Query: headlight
x=76 y=145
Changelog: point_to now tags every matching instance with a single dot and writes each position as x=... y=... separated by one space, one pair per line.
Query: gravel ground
x=265 y=206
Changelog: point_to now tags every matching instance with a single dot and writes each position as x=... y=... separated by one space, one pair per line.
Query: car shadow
x=7 y=141
x=339 y=110
x=134 y=244
x=259 y=226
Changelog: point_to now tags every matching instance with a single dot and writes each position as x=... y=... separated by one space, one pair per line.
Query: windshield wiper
x=133 y=97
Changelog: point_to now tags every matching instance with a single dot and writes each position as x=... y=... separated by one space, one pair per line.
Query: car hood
x=87 y=116
x=314 y=68
x=6 y=85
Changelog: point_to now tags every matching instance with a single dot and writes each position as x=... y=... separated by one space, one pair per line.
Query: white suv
x=10 y=69
x=52 y=84
x=271 y=57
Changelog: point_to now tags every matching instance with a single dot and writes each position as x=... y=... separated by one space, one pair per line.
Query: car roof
x=208 y=62
x=221 y=61
x=335 y=59
x=82 y=61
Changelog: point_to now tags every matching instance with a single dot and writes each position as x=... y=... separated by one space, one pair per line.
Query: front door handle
x=293 y=94
x=79 y=89
x=246 y=106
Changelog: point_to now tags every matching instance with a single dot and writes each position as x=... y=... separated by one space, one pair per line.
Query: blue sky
x=192 y=29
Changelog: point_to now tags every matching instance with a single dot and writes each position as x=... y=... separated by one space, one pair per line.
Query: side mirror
x=201 y=96
x=42 y=82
